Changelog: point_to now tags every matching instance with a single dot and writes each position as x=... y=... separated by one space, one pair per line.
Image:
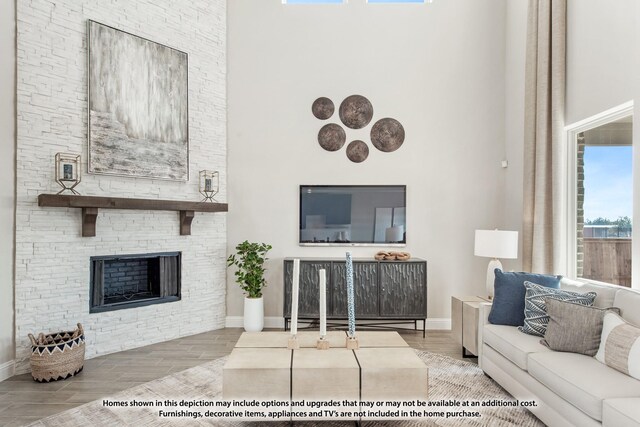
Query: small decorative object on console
x=392 y=256
x=68 y=173
x=209 y=184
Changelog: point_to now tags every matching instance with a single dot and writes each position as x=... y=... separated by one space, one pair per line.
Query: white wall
x=601 y=54
x=437 y=68
x=7 y=189
x=52 y=259
x=515 y=55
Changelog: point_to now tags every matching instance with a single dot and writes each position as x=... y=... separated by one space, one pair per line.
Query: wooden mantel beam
x=91 y=204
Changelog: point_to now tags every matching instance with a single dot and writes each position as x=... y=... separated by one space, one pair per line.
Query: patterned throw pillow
x=620 y=345
x=535 y=308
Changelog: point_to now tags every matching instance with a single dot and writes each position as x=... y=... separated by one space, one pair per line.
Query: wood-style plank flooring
x=23 y=401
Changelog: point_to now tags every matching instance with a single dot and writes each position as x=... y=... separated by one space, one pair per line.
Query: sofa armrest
x=483 y=319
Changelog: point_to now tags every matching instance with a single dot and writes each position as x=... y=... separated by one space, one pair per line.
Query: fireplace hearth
x=126 y=281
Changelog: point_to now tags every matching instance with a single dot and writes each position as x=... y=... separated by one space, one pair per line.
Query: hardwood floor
x=23 y=401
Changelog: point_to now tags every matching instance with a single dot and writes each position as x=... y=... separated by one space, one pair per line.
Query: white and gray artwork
x=138 y=106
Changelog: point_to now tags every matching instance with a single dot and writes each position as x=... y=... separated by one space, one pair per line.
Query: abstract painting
x=138 y=106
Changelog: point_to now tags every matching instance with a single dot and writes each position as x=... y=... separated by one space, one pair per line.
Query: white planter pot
x=253 y=314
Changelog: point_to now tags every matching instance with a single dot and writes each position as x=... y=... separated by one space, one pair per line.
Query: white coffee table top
x=388 y=358
x=276 y=339
x=336 y=358
x=259 y=358
x=308 y=339
x=380 y=339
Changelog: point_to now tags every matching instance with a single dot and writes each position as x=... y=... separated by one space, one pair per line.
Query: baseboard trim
x=7 y=370
x=439 y=324
x=433 y=324
x=269 y=322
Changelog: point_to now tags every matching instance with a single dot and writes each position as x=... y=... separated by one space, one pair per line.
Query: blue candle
x=350 y=298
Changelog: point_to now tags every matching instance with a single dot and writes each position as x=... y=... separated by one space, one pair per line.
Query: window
x=603 y=194
x=312 y=1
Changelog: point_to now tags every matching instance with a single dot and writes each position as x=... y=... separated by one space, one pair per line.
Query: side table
x=464 y=322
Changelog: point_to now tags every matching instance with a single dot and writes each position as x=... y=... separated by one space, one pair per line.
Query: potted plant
x=249 y=259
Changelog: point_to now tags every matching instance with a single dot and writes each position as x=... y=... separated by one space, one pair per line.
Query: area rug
x=449 y=379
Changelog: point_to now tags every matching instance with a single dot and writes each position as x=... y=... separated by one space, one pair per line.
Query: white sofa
x=570 y=389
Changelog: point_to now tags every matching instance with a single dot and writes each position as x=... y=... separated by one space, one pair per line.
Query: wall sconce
x=209 y=185
x=68 y=173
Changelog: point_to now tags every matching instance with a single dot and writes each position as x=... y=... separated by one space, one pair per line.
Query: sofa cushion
x=511 y=343
x=581 y=380
x=606 y=292
x=624 y=412
x=535 y=306
x=509 y=291
x=628 y=301
x=574 y=327
x=620 y=345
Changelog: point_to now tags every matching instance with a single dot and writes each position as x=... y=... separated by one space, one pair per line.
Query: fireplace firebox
x=126 y=281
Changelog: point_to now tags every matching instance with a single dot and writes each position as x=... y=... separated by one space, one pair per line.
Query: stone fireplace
x=54 y=262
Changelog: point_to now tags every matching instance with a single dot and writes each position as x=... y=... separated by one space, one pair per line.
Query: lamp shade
x=496 y=244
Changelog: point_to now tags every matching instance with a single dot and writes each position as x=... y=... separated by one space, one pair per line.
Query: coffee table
x=384 y=368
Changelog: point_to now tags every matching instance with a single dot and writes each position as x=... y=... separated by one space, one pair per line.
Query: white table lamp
x=495 y=244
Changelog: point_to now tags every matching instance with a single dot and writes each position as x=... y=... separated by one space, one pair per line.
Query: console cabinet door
x=365 y=289
x=309 y=295
x=403 y=289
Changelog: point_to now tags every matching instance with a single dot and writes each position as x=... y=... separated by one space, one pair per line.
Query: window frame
x=571 y=143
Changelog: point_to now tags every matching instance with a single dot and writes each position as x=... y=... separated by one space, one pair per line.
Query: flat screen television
x=343 y=215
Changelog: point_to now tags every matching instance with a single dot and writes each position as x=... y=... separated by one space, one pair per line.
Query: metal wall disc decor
x=387 y=135
x=332 y=137
x=357 y=151
x=356 y=112
x=323 y=108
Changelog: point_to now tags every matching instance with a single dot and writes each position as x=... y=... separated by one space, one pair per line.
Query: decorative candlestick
x=323 y=302
x=352 y=341
x=323 y=343
x=293 y=341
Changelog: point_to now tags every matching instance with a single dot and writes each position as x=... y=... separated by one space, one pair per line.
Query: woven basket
x=57 y=356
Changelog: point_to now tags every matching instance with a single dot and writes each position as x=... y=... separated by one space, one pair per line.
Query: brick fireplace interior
x=126 y=281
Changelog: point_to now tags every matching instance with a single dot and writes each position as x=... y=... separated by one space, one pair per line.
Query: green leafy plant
x=249 y=259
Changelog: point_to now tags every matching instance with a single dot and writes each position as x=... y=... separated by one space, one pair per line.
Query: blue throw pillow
x=509 y=292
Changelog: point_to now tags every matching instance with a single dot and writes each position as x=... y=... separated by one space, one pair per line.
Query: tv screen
x=353 y=214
